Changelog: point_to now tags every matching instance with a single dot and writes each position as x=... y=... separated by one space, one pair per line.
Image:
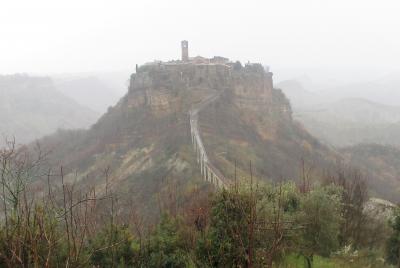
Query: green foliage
x=113 y=246
x=298 y=261
x=321 y=219
x=226 y=242
x=363 y=259
x=250 y=226
x=393 y=244
x=168 y=247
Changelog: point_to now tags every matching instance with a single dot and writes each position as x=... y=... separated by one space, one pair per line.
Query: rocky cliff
x=161 y=87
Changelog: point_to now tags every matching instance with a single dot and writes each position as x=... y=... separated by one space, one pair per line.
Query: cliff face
x=252 y=88
x=161 y=87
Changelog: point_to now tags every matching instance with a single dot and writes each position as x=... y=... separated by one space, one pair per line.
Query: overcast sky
x=52 y=36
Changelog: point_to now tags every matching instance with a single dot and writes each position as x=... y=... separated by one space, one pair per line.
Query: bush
x=113 y=246
x=168 y=247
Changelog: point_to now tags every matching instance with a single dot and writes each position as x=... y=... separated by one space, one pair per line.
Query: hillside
x=31 y=107
x=382 y=163
x=142 y=147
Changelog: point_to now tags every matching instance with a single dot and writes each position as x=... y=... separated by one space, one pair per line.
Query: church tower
x=185 y=50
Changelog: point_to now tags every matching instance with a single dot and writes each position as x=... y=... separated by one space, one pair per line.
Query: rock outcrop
x=160 y=86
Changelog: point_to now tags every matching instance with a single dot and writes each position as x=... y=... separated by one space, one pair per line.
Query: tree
x=113 y=246
x=393 y=244
x=321 y=219
x=227 y=238
x=251 y=226
x=354 y=197
x=167 y=247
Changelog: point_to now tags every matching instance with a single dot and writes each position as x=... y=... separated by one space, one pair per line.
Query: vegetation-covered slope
x=270 y=139
x=382 y=163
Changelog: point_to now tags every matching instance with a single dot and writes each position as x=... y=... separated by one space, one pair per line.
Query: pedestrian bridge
x=208 y=170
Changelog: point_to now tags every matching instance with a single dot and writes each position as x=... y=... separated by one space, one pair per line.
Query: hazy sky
x=50 y=36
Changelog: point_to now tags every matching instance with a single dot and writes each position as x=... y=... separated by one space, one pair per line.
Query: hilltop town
x=156 y=83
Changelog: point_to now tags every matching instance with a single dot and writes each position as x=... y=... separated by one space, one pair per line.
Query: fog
x=322 y=53
x=326 y=40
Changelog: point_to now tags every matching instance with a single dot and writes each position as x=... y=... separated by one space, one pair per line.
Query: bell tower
x=185 y=50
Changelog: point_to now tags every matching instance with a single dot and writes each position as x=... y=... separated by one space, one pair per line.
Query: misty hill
x=385 y=90
x=31 y=107
x=89 y=91
x=145 y=141
x=299 y=96
x=346 y=121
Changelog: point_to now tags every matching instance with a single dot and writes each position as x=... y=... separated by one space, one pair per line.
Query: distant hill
x=299 y=96
x=343 y=122
x=385 y=90
x=382 y=163
x=89 y=91
x=31 y=107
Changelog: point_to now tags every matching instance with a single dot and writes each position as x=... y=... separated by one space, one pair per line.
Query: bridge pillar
x=205 y=171
x=197 y=153
x=201 y=164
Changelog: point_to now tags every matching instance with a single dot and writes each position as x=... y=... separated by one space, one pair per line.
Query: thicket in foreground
x=246 y=225
x=393 y=244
